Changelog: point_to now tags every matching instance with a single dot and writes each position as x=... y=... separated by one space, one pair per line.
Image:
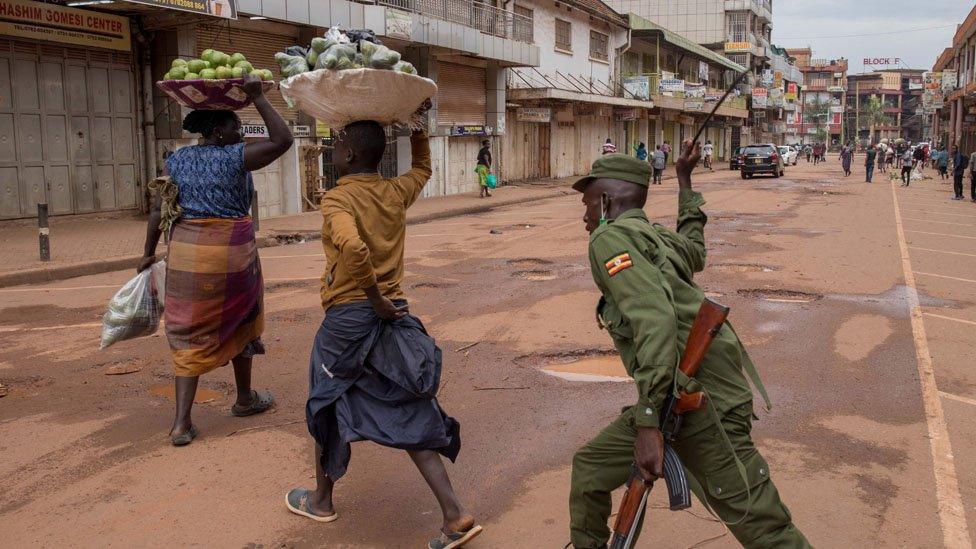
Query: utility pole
x=857 y=111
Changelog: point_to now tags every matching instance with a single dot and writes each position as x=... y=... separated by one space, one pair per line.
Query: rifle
x=709 y=320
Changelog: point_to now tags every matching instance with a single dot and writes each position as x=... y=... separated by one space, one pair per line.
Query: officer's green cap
x=617 y=166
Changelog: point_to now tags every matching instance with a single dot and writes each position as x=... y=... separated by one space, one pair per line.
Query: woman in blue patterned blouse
x=214 y=291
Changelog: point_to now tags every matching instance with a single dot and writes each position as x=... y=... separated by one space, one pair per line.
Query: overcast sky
x=844 y=28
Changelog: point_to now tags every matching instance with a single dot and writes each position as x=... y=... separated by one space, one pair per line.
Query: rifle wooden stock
x=631 y=507
x=707 y=323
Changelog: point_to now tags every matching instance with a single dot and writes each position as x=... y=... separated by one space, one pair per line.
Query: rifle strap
x=750 y=370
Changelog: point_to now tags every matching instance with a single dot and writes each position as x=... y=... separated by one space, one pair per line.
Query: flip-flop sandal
x=297 y=502
x=455 y=539
x=186 y=437
x=260 y=402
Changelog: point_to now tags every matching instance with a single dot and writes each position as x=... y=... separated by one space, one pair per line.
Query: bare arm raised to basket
x=412 y=182
x=261 y=153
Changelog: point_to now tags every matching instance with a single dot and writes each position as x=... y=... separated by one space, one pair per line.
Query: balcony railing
x=488 y=19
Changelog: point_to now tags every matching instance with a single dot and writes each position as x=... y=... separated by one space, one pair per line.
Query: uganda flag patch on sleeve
x=619 y=263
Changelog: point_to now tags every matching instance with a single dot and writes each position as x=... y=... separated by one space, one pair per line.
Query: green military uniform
x=645 y=273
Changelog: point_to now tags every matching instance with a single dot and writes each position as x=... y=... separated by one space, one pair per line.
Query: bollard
x=254 y=210
x=43 y=233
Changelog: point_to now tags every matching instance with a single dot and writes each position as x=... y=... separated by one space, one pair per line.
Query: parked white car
x=789 y=155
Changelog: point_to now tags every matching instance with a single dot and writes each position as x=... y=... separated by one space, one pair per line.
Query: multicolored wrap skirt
x=214 y=294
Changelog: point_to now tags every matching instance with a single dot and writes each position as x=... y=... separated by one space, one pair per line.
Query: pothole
x=429 y=285
x=294 y=238
x=781 y=295
x=536 y=275
x=588 y=365
x=290 y=284
x=528 y=262
x=744 y=267
x=824 y=192
x=513 y=227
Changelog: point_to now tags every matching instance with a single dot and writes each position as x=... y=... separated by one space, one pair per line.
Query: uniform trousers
x=605 y=462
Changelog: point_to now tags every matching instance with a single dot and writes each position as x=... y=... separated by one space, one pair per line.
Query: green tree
x=873 y=114
x=817 y=113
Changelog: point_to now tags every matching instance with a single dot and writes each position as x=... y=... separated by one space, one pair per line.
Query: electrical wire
x=867 y=34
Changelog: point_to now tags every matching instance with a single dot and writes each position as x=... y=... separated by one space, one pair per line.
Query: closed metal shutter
x=67 y=130
x=461 y=96
x=260 y=48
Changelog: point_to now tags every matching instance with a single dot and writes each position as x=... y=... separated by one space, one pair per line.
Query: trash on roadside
x=3 y=390
x=135 y=310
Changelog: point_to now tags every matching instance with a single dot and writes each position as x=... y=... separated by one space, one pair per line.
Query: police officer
x=645 y=273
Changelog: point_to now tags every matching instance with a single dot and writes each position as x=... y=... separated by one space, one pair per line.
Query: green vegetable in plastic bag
x=367 y=48
x=312 y=58
x=338 y=57
x=319 y=45
x=404 y=66
x=384 y=58
x=291 y=64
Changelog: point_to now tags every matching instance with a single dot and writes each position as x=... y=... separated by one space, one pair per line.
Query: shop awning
x=643 y=28
x=523 y=94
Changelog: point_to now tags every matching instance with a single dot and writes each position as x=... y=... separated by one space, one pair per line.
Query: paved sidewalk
x=98 y=243
x=84 y=245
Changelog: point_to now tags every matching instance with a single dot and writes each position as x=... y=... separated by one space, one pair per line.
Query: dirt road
x=857 y=301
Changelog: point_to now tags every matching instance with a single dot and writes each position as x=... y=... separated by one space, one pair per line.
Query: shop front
x=68 y=112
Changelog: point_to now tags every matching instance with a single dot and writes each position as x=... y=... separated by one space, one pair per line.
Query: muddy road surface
x=855 y=300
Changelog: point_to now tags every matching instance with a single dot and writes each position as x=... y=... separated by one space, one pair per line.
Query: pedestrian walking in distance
x=640 y=151
x=483 y=168
x=846 y=156
x=808 y=151
x=666 y=149
x=660 y=161
x=940 y=159
x=649 y=300
x=905 y=160
x=870 y=157
x=214 y=310
x=707 y=152
x=959 y=164
x=609 y=147
x=374 y=370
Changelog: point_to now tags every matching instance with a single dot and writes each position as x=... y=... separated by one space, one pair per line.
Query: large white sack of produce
x=340 y=97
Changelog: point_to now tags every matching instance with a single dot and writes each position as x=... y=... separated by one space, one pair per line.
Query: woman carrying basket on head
x=214 y=309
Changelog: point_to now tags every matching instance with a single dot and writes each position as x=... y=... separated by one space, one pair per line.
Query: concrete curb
x=50 y=274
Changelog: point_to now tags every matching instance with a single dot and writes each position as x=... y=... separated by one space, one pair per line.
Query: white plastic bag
x=135 y=310
x=339 y=98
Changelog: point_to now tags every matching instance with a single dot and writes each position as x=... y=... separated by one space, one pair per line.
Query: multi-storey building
x=823 y=98
x=955 y=113
x=86 y=128
x=884 y=86
x=739 y=29
x=561 y=111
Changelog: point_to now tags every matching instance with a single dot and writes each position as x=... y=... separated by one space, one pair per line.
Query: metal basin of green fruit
x=225 y=94
x=213 y=81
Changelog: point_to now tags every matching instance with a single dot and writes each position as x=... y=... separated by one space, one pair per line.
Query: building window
x=564 y=35
x=523 y=24
x=599 y=45
x=738 y=26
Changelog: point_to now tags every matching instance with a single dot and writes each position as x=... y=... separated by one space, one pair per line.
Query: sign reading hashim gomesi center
x=52 y=23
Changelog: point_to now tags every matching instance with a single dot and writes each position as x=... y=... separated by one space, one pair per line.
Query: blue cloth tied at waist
x=377 y=380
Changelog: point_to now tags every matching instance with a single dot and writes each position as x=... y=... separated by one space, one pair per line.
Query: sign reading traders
x=226 y=9
x=37 y=21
